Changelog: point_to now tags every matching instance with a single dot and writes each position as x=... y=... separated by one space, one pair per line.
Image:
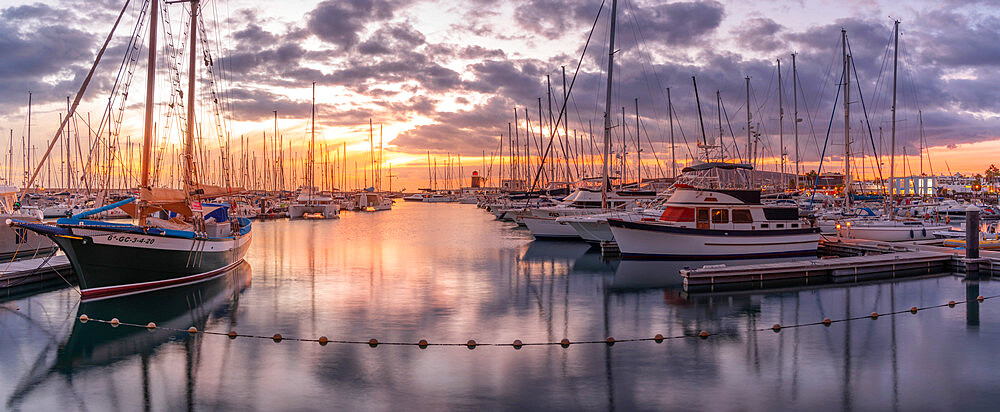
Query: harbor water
x=448 y=273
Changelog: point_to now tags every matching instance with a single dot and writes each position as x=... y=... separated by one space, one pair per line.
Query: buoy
x=84 y=318
x=827 y=321
x=610 y=341
x=980 y=298
x=192 y=330
x=276 y=337
x=323 y=340
x=471 y=344
x=776 y=328
x=951 y=303
x=151 y=325
x=874 y=315
x=564 y=343
x=658 y=338
x=703 y=334
x=232 y=334
x=913 y=309
x=517 y=344
x=373 y=342
x=114 y=322
x=422 y=344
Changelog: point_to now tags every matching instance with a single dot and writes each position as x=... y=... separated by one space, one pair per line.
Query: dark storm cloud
x=339 y=21
x=680 y=23
x=36 y=43
x=760 y=34
x=952 y=39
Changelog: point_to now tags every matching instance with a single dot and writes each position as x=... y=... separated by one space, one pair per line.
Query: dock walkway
x=859 y=260
x=32 y=271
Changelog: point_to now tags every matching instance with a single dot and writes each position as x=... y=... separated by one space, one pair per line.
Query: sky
x=445 y=78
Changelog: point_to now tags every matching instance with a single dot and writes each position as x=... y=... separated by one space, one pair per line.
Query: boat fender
x=911 y=233
x=923 y=232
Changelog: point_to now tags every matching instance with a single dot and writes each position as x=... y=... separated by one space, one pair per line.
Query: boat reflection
x=95 y=345
x=175 y=308
x=649 y=274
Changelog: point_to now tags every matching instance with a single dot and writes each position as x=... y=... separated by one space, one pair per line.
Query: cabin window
x=678 y=214
x=795 y=225
x=720 y=216
x=742 y=216
x=763 y=226
x=703 y=215
x=780 y=225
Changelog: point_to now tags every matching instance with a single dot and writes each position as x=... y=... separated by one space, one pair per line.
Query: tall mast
x=189 y=171
x=718 y=105
x=892 y=135
x=795 y=105
x=371 y=152
x=147 y=129
x=311 y=161
x=847 y=122
x=920 y=116
x=638 y=146
x=673 y=154
x=607 y=105
x=781 y=127
x=566 y=119
x=701 y=120
x=749 y=135
x=27 y=164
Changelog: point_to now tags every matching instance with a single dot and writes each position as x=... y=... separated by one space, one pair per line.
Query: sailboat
x=309 y=203
x=179 y=239
x=889 y=228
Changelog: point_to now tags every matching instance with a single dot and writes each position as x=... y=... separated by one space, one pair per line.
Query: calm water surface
x=450 y=273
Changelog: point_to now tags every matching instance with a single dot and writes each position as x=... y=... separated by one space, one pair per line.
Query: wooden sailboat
x=178 y=238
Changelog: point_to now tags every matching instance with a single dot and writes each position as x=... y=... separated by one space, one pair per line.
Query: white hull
x=713 y=244
x=327 y=211
x=548 y=228
x=889 y=233
x=594 y=231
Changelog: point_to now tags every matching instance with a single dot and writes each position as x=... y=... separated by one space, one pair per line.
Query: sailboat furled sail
x=180 y=238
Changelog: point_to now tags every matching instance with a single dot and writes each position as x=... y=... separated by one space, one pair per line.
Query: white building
x=930 y=185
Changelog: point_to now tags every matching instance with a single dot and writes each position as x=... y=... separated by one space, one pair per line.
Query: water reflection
x=95 y=345
x=449 y=273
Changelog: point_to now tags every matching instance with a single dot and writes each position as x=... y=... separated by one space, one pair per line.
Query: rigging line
x=569 y=92
x=730 y=124
x=124 y=67
x=861 y=97
x=655 y=157
x=680 y=127
x=822 y=156
x=76 y=102
x=809 y=115
x=647 y=55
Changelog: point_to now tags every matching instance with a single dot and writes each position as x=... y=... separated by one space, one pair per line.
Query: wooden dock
x=41 y=270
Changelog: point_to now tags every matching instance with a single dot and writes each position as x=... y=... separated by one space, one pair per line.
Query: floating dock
x=844 y=261
x=19 y=276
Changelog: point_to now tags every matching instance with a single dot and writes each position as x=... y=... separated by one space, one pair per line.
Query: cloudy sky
x=446 y=77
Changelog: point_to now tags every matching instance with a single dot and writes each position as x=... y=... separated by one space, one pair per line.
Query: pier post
x=972 y=232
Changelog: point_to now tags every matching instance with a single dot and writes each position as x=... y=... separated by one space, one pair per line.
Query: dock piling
x=972 y=232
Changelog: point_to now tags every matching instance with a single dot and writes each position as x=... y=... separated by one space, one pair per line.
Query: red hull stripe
x=146 y=286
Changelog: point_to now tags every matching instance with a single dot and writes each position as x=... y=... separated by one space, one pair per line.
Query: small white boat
x=314 y=206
